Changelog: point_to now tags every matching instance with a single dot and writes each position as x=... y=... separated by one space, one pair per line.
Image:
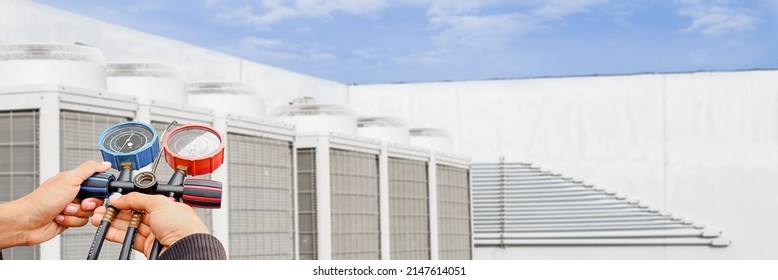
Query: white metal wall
x=261 y=198
x=700 y=145
x=19 y=166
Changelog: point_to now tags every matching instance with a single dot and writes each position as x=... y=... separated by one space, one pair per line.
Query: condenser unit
x=338 y=196
x=55 y=128
x=260 y=203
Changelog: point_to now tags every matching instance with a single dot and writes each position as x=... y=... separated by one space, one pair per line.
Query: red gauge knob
x=202 y=193
x=198 y=148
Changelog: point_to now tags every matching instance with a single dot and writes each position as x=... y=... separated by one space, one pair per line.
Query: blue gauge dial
x=133 y=142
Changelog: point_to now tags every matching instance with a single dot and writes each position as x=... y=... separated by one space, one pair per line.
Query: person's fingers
x=138 y=201
x=115 y=234
x=90 y=204
x=71 y=221
x=144 y=229
x=98 y=216
x=85 y=170
x=75 y=210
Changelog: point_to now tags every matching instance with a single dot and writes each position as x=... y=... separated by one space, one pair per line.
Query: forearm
x=10 y=231
x=199 y=246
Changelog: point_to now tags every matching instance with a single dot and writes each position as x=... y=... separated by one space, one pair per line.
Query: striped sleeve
x=198 y=246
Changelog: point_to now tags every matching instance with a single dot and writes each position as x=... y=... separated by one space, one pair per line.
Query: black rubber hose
x=129 y=238
x=97 y=242
x=155 y=250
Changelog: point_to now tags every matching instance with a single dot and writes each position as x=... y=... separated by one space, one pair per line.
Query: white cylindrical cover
x=148 y=80
x=228 y=97
x=61 y=64
x=433 y=138
x=393 y=130
x=318 y=117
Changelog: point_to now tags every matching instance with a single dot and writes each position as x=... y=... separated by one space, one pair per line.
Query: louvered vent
x=517 y=204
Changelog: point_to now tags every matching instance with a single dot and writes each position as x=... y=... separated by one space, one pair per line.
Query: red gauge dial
x=199 y=148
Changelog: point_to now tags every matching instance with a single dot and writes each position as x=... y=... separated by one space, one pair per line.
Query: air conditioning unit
x=388 y=129
x=53 y=128
x=148 y=81
x=435 y=139
x=74 y=65
x=228 y=97
x=318 y=117
x=260 y=205
x=338 y=197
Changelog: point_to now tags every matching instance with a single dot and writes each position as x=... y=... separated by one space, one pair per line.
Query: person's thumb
x=137 y=201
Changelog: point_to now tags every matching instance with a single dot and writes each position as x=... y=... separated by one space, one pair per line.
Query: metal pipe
x=584 y=235
x=606 y=242
x=597 y=228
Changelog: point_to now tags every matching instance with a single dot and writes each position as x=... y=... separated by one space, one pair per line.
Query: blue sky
x=382 y=41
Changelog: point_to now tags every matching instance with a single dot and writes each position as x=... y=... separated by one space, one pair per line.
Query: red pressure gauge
x=199 y=148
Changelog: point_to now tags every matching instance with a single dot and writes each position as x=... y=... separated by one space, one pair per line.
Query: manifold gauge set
x=190 y=150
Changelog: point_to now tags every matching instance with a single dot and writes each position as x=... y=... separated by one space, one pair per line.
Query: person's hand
x=165 y=220
x=49 y=209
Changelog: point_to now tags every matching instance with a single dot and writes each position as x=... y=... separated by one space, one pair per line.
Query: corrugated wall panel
x=306 y=200
x=164 y=172
x=409 y=209
x=454 y=233
x=19 y=169
x=355 y=212
x=261 y=202
x=78 y=136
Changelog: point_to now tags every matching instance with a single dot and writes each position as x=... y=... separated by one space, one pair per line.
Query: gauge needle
x=128 y=141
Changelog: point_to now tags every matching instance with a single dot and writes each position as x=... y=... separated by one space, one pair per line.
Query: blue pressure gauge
x=134 y=142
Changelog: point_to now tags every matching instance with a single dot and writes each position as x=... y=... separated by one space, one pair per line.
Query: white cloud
x=489 y=31
x=324 y=8
x=465 y=23
x=269 y=12
x=558 y=9
x=146 y=6
x=716 y=18
x=256 y=42
x=277 y=49
x=246 y=15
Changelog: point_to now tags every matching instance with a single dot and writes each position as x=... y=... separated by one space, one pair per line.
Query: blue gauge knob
x=133 y=142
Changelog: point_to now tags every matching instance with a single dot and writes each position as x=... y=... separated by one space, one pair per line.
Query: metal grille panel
x=261 y=202
x=409 y=209
x=453 y=213
x=164 y=172
x=355 y=212
x=78 y=143
x=306 y=200
x=19 y=169
x=517 y=204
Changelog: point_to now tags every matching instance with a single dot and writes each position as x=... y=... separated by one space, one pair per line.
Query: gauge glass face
x=127 y=138
x=194 y=143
